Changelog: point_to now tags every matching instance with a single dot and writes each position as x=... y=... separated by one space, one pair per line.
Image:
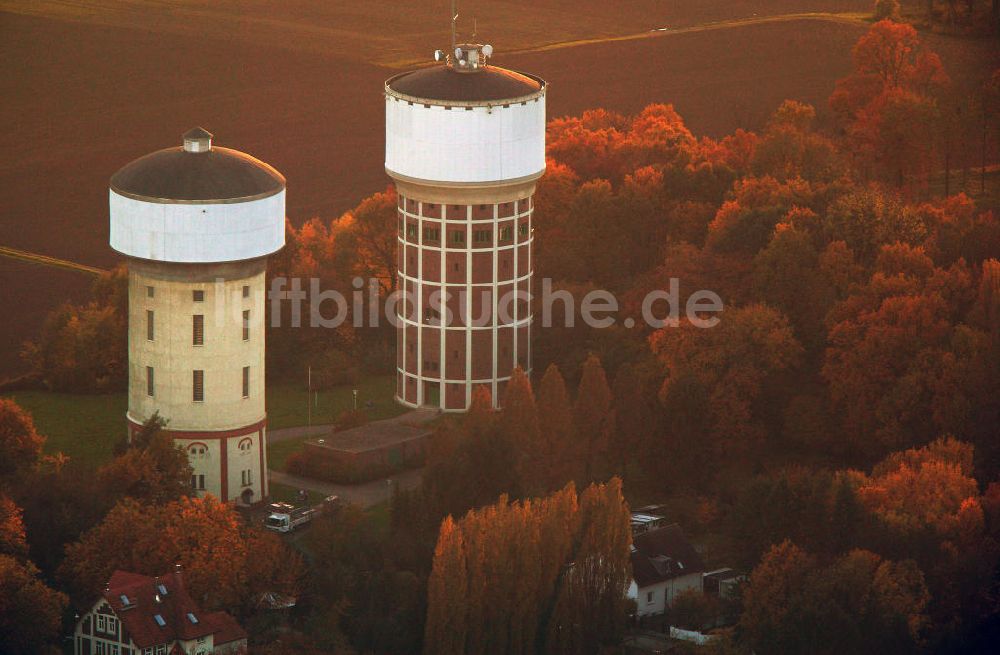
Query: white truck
x=286 y=518
x=283 y=517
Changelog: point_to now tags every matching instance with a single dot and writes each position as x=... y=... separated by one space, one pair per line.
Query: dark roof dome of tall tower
x=466 y=78
x=197 y=171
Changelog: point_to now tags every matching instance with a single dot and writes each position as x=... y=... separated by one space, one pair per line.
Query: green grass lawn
x=287 y=407
x=287 y=494
x=277 y=453
x=86 y=427
x=287 y=404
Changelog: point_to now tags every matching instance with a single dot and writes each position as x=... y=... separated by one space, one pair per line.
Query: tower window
x=246 y=290
x=150 y=386
x=198 y=386
x=482 y=236
x=458 y=236
x=432 y=234
x=246 y=381
x=198 y=295
x=246 y=477
x=198 y=330
x=150 y=292
x=506 y=233
x=411 y=231
x=150 y=328
x=246 y=325
x=522 y=229
x=198 y=482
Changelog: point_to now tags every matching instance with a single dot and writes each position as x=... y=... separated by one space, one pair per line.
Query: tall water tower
x=197 y=223
x=465 y=145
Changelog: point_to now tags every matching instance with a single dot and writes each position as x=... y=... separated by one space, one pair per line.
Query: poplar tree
x=447 y=590
x=592 y=417
x=589 y=611
x=555 y=422
x=519 y=424
x=538 y=576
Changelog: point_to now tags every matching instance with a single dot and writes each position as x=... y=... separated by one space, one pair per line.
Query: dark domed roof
x=446 y=84
x=213 y=175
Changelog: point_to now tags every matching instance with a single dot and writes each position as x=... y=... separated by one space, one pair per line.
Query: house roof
x=226 y=628
x=662 y=554
x=152 y=617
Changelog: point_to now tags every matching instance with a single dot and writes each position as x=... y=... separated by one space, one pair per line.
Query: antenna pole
x=454 y=24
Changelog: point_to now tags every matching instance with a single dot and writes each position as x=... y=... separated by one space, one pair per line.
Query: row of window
x=197 y=383
x=432 y=206
x=246 y=480
x=197 y=295
x=457 y=237
x=197 y=327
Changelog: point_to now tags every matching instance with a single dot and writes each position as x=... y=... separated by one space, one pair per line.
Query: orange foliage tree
x=226 y=563
x=504 y=569
x=860 y=603
x=731 y=363
x=887 y=103
x=20 y=443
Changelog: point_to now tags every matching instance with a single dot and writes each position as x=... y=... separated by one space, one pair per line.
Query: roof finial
x=454 y=24
x=197 y=139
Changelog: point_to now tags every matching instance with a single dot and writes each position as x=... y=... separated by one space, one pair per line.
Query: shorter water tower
x=197 y=223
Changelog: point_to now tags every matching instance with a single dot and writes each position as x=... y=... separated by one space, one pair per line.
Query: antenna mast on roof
x=454 y=24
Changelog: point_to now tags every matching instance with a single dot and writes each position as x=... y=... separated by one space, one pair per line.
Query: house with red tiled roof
x=142 y=615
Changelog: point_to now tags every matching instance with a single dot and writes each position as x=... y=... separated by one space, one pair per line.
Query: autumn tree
x=744 y=223
x=503 y=570
x=887 y=10
x=731 y=362
x=226 y=563
x=790 y=148
x=152 y=469
x=787 y=276
x=20 y=443
x=12 y=537
x=860 y=603
x=82 y=348
x=868 y=218
x=900 y=367
x=520 y=426
x=633 y=418
x=887 y=103
x=446 y=594
x=555 y=423
x=30 y=612
x=926 y=488
x=589 y=611
x=592 y=417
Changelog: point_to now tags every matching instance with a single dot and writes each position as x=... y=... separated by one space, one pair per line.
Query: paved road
x=365 y=494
